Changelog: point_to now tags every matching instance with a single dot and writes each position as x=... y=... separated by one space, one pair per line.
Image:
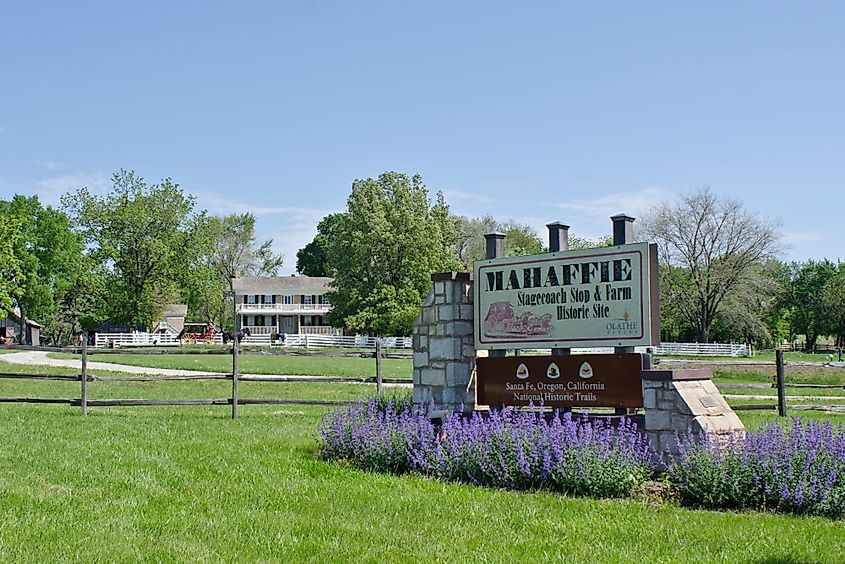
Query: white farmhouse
x=283 y=304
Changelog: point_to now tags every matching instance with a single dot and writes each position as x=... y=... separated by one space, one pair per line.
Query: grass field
x=257 y=364
x=190 y=484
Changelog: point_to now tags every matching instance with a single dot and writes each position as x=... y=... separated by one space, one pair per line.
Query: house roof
x=281 y=285
x=175 y=310
x=16 y=315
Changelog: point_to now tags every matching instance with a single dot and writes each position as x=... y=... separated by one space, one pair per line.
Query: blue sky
x=528 y=111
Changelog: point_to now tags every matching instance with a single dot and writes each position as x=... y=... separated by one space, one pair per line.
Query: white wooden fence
x=306 y=340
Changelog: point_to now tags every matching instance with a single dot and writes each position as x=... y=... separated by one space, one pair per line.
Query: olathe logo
x=522 y=372
x=622 y=327
x=553 y=371
x=586 y=371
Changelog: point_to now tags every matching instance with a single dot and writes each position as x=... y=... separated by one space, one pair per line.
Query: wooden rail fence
x=84 y=378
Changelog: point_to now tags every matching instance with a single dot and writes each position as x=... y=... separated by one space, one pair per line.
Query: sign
x=605 y=297
x=601 y=380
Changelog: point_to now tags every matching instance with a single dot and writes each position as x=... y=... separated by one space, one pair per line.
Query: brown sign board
x=599 y=380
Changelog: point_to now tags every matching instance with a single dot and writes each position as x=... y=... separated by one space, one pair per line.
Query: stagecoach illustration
x=501 y=320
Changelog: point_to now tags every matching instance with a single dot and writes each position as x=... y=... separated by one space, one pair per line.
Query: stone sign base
x=444 y=355
x=681 y=400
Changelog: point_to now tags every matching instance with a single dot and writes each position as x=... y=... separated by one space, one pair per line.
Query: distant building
x=10 y=329
x=283 y=304
x=173 y=319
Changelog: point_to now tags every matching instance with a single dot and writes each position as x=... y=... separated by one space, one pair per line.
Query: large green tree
x=313 y=258
x=807 y=299
x=145 y=238
x=833 y=302
x=48 y=255
x=388 y=243
x=10 y=273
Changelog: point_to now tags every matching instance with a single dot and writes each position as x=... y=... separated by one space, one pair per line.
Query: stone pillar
x=680 y=400
x=444 y=350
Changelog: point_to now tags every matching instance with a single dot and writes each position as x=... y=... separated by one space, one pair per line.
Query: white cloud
x=217 y=203
x=796 y=237
x=50 y=190
x=47 y=164
x=631 y=203
x=470 y=197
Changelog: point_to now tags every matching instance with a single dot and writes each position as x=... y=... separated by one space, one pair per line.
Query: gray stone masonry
x=444 y=350
x=681 y=400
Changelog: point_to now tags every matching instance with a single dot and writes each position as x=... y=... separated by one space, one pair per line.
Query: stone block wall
x=680 y=400
x=444 y=350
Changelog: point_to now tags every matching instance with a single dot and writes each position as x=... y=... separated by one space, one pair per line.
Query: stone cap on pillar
x=449 y=276
x=558 y=236
x=623 y=229
x=494 y=244
x=677 y=375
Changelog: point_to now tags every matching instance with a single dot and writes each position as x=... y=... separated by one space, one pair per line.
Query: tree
x=807 y=299
x=48 y=257
x=388 y=243
x=708 y=246
x=469 y=243
x=233 y=252
x=833 y=302
x=10 y=273
x=143 y=238
x=313 y=258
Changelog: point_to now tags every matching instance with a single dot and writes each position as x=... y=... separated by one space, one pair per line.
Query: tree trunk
x=24 y=338
x=703 y=332
x=810 y=345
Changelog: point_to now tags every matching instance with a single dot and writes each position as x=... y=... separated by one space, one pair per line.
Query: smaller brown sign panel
x=601 y=380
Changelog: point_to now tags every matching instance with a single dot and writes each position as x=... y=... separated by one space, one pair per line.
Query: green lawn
x=257 y=364
x=190 y=484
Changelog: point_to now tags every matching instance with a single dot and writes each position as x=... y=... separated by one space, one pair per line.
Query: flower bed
x=800 y=470
x=520 y=450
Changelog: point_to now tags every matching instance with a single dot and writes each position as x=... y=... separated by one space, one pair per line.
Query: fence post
x=84 y=397
x=781 y=385
x=235 y=376
x=378 y=366
x=558 y=241
x=623 y=234
x=495 y=248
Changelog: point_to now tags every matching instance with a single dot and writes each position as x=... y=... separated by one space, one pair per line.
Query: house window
x=250 y=299
x=287 y=300
x=267 y=299
x=308 y=300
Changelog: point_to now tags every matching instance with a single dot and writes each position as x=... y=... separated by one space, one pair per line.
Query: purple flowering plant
x=504 y=448
x=796 y=470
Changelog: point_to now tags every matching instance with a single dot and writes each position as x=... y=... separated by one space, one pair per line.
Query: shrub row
x=507 y=448
x=799 y=470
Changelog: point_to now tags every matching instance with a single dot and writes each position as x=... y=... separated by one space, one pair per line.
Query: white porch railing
x=320 y=330
x=284 y=308
x=260 y=329
x=312 y=330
